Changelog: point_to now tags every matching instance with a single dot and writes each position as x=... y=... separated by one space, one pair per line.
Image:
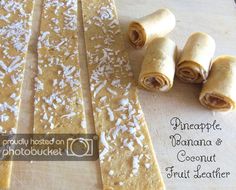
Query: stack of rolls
x=158 y=68
x=194 y=65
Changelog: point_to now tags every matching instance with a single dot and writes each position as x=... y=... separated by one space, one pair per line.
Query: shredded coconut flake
x=110 y=114
x=104 y=141
x=135 y=165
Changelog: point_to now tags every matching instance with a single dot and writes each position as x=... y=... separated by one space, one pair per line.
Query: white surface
x=216 y=17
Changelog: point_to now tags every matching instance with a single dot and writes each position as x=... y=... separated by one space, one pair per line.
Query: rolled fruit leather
x=195 y=62
x=155 y=25
x=219 y=92
x=158 y=68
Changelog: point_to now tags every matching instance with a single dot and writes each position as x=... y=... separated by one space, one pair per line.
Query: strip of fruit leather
x=127 y=157
x=15 y=31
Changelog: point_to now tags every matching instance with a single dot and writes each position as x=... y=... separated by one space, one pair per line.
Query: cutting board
x=216 y=17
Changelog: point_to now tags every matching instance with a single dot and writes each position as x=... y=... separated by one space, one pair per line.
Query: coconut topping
x=58 y=97
x=15 y=23
x=117 y=112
